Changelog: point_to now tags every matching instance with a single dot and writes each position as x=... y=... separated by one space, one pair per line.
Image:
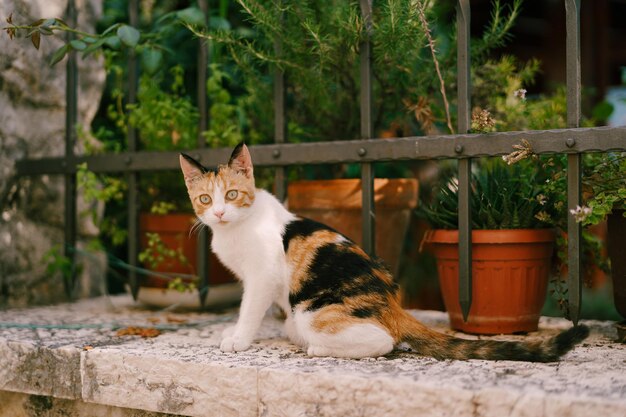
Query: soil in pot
x=510 y=274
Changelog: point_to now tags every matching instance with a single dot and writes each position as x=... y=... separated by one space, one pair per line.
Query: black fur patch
x=564 y=341
x=235 y=153
x=337 y=273
x=302 y=228
x=515 y=351
x=195 y=163
x=365 y=312
x=549 y=351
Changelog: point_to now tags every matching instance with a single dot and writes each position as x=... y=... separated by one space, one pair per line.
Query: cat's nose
x=218 y=213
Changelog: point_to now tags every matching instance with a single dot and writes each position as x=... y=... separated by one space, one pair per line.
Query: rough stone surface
x=32 y=125
x=14 y=404
x=38 y=370
x=183 y=372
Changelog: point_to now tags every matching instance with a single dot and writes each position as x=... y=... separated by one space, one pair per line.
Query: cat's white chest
x=238 y=252
x=254 y=249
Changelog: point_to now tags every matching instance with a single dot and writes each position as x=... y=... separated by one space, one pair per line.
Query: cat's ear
x=241 y=161
x=191 y=168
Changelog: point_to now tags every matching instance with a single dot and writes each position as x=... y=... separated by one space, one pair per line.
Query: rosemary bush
x=413 y=52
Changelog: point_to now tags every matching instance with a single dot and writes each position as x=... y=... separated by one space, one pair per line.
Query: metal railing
x=572 y=141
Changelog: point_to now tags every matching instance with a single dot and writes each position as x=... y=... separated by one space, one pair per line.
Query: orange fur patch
x=302 y=252
x=233 y=180
x=334 y=318
x=227 y=179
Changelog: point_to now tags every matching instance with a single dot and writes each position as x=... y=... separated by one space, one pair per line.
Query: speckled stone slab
x=182 y=371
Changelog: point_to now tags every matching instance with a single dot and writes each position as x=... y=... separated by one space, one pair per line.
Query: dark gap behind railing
x=367 y=151
x=71 y=114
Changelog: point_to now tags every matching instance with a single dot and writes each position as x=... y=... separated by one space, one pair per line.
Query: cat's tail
x=428 y=342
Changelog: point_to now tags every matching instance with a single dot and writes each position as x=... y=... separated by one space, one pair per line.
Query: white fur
x=355 y=341
x=251 y=245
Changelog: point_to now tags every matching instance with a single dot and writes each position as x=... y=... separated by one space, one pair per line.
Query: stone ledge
x=183 y=372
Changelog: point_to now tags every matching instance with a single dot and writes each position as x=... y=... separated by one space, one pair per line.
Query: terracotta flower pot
x=174 y=231
x=337 y=203
x=510 y=274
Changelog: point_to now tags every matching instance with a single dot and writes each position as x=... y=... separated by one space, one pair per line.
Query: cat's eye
x=205 y=199
x=232 y=194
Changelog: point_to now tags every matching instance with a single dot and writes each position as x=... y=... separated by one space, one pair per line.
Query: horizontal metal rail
x=570 y=141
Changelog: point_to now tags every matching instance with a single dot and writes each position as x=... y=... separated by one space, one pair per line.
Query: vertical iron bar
x=203 y=124
x=367 y=169
x=71 y=112
x=133 y=177
x=574 y=172
x=465 y=164
x=203 y=61
x=280 y=126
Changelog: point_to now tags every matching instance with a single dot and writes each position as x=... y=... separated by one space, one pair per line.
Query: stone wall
x=32 y=125
x=13 y=404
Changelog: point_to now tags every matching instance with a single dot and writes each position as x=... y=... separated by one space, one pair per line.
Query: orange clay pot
x=510 y=273
x=174 y=232
x=337 y=203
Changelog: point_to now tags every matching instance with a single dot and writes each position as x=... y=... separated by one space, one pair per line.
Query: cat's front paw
x=234 y=344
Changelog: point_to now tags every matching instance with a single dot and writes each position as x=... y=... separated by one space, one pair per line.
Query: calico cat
x=338 y=300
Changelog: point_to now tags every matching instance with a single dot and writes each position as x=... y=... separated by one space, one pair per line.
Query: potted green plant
x=512 y=248
x=166 y=119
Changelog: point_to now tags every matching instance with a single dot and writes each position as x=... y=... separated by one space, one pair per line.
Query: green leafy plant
x=414 y=62
x=165 y=120
x=180 y=285
x=158 y=252
x=117 y=36
x=58 y=263
x=227 y=113
x=503 y=197
x=101 y=188
x=605 y=186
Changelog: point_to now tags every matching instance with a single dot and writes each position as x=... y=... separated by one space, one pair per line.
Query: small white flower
x=542 y=199
x=521 y=94
x=542 y=216
x=581 y=213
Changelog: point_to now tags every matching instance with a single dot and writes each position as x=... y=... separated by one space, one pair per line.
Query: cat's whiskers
x=197 y=226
